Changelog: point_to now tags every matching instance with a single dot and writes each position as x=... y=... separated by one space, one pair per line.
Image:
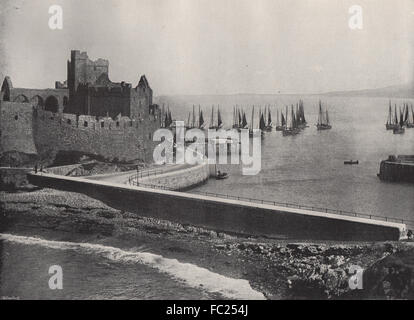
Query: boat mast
x=395 y=114
x=199 y=116
x=269 y=117
x=212 y=117
x=320 y=113
x=219 y=122
x=389 y=119
x=251 y=124
x=412 y=112
x=193 y=124
x=277 y=117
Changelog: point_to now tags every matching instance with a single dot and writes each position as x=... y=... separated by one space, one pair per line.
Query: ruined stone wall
x=39 y=96
x=34 y=131
x=16 y=130
x=140 y=103
x=83 y=70
x=123 y=140
x=104 y=101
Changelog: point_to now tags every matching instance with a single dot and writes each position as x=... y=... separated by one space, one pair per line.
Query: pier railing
x=409 y=223
x=144 y=174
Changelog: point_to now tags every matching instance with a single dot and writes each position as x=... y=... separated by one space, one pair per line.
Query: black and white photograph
x=206 y=150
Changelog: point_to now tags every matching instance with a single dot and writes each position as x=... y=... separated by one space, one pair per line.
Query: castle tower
x=83 y=72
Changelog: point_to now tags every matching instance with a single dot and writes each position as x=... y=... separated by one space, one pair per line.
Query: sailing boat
x=251 y=124
x=201 y=123
x=188 y=126
x=323 y=119
x=168 y=119
x=269 y=125
x=400 y=125
x=262 y=123
x=410 y=123
x=212 y=119
x=390 y=125
x=291 y=127
x=193 y=123
x=235 y=124
x=244 y=121
x=162 y=116
x=280 y=126
x=301 y=116
x=219 y=122
x=407 y=121
x=239 y=120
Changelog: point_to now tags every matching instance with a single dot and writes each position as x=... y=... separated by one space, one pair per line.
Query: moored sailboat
x=390 y=125
x=201 y=123
x=262 y=123
x=400 y=127
x=291 y=127
x=323 y=119
x=251 y=124
x=219 y=121
x=410 y=121
x=300 y=116
x=280 y=125
x=269 y=124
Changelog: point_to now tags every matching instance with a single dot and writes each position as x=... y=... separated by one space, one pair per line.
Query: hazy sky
x=214 y=46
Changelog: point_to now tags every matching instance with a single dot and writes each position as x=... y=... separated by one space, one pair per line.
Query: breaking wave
x=190 y=274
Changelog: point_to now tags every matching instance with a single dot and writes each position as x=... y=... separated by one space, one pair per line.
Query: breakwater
x=227 y=215
x=175 y=180
x=397 y=169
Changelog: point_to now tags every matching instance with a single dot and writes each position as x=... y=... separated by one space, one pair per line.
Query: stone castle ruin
x=88 y=114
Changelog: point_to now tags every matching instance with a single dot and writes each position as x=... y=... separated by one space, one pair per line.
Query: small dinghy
x=351 y=162
x=221 y=175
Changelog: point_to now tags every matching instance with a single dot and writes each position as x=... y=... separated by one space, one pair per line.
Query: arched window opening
x=21 y=98
x=37 y=101
x=52 y=104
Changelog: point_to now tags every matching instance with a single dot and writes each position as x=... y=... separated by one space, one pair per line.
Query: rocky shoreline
x=279 y=268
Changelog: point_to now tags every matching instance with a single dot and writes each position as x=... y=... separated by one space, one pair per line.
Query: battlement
x=85 y=122
x=78 y=55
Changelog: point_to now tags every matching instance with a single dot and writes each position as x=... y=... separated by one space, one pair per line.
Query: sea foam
x=188 y=273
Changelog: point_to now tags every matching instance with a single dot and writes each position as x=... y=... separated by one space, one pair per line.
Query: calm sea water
x=308 y=168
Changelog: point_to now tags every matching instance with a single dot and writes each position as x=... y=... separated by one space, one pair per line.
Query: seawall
x=399 y=170
x=180 y=179
x=225 y=214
